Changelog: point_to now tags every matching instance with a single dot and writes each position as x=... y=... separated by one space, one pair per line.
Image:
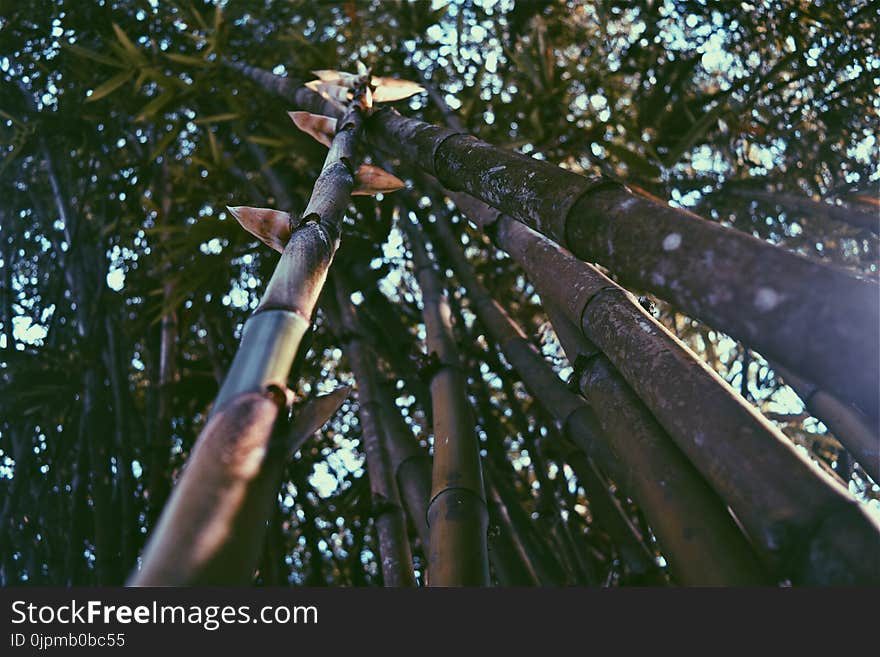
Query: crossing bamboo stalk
x=805 y=524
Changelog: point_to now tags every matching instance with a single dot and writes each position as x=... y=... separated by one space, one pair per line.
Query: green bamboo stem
x=212 y=529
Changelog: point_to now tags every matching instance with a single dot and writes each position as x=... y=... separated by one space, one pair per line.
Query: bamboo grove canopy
x=568 y=293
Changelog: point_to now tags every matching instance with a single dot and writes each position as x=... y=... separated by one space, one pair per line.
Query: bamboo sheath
x=212 y=529
x=806 y=526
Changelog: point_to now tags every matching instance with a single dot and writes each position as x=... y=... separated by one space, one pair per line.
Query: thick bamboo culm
x=457 y=513
x=211 y=530
x=395 y=555
x=797 y=306
x=805 y=525
x=693 y=526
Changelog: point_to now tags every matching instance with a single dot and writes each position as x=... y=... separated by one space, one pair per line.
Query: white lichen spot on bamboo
x=766 y=299
x=672 y=241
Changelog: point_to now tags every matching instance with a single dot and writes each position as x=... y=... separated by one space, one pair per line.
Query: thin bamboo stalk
x=854 y=431
x=388 y=515
x=457 y=513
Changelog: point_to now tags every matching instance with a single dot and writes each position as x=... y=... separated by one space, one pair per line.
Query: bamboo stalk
x=854 y=431
x=852 y=214
x=510 y=558
x=806 y=525
x=410 y=464
x=457 y=513
x=212 y=528
x=388 y=515
x=796 y=306
x=719 y=556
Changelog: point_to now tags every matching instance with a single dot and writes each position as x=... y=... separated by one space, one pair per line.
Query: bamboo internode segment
x=740 y=454
x=409 y=462
x=457 y=513
x=693 y=526
x=786 y=306
x=394 y=550
x=212 y=528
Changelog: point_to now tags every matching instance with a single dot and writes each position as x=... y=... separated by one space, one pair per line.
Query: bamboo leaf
x=321 y=128
x=315 y=414
x=218 y=18
x=110 y=85
x=130 y=48
x=265 y=141
x=155 y=105
x=215 y=148
x=94 y=56
x=271 y=227
x=186 y=59
x=370 y=180
x=165 y=142
x=216 y=118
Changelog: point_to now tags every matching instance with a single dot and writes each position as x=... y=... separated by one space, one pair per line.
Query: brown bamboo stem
x=394 y=549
